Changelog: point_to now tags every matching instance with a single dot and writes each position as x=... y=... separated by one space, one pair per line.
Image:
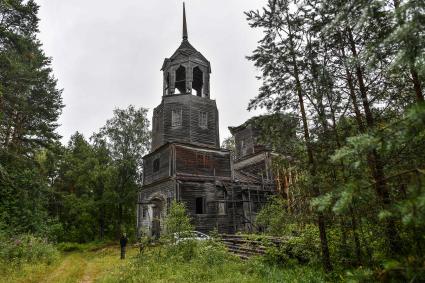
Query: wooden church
x=186 y=163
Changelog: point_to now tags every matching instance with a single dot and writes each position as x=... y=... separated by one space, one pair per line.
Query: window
x=167 y=83
x=198 y=81
x=203 y=160
x=203 y=119
x=221 y=208
x=200 y=205
x=244 y=147
x=176 y=118
x=145 y=212
x=156 y=165
x=181 y=80
x=155 y=123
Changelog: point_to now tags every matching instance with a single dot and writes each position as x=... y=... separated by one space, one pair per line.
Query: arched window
x=181 y=80
x=198 y=81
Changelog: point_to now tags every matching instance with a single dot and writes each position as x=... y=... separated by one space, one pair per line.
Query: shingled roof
x=185 y=50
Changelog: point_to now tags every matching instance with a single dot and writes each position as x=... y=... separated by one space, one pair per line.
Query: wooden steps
x=245 y=248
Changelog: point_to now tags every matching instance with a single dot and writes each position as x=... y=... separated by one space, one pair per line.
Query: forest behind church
x=351 y=74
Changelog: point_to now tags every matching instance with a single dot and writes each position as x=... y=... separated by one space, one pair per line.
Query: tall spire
x=184 y=23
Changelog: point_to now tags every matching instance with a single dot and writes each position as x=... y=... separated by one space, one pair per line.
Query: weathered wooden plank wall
x=164 y=166
x=192 y=161
x=190 y=130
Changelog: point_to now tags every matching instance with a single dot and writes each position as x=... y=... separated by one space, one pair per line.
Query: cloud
x=107 y=54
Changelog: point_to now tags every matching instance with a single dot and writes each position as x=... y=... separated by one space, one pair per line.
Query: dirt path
x=76 y=267
x=86 y=267
x=70 y=270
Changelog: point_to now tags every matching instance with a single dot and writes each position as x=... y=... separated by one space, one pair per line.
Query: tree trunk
x=102 y=223
x=417 y=85
x=357 y=246
x=356 y=236
x=374 y=159
x=353 y=97
x=312 y=168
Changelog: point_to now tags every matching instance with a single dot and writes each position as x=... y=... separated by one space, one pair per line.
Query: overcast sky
x=108 y=54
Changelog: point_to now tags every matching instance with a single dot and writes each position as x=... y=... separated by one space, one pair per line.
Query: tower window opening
x=198 y=81
x=181 y=80
x=167 y=83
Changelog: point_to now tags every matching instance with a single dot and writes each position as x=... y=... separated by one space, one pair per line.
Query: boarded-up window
x=200 y=205
x=222 y=208
x=156 y=165
x=203 y=119
x=155 y=123
x=244 y=147
x=176 y=118
x=203 y=160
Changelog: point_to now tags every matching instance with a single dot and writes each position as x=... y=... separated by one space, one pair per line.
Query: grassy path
x=74 y=267
x=159 y=265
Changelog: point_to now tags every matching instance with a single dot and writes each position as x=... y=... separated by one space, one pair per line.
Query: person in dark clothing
x=123 y=244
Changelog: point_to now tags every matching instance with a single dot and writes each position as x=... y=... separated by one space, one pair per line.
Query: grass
x=158 y=264
x=206 y=264
x=84 y=265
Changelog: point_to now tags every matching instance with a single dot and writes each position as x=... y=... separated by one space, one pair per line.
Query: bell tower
x=187 y=71
x=186 y=114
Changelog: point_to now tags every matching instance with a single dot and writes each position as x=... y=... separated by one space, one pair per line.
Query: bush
x=27 y=249
x=177 y=220
x=70 y=247
x=212 y=253
x=182 y=251
x=301 y=247
x=273 y=223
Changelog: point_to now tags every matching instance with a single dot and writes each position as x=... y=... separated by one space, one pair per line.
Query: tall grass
x=205 y=262
x=26 y=249
x=20 y=252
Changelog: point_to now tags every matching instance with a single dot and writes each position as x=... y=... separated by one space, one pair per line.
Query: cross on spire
x=184 y=23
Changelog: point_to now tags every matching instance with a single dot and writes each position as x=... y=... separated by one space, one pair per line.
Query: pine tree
x=279 y=57
x=30 y=105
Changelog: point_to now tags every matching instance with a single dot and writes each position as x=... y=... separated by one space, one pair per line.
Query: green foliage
x=126 y=136
x=69 y=247
x=353 y=72
x=30 y=105
x=77 y=247
x=229 y=144
x=359 y=275
x=25 y=249
x=23 y=197
x=209 y=263
x=177 y=220
x=273 y=217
